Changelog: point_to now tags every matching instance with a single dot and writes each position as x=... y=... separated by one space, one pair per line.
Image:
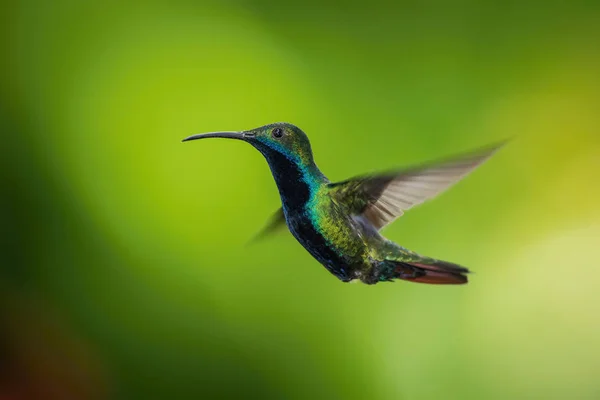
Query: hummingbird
x=340 y=223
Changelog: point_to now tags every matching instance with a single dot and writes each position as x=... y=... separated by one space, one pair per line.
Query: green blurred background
x=125 y=273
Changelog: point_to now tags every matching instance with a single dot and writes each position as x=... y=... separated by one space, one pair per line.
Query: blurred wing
x=383 y=198
x=276 y=223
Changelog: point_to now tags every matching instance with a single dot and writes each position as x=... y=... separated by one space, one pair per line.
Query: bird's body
x=339 y=223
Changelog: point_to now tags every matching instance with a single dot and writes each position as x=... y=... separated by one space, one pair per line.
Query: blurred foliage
x=124 y=270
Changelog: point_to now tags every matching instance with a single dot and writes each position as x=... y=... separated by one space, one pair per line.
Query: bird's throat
x=295 y=180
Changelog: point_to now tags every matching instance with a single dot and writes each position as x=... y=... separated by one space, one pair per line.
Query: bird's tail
x=430 y=271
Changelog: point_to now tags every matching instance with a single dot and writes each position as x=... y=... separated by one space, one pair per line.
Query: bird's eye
x=277 y=133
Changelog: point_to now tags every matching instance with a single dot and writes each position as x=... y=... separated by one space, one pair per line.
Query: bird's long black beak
x=228 y=135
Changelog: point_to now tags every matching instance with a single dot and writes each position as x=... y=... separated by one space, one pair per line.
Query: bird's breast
x=319 y=247
x=328 y=240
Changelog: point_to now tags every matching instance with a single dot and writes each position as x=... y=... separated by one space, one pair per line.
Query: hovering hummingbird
x=339 y=223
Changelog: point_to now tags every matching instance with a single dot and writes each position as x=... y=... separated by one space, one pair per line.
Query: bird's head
x=273 y=141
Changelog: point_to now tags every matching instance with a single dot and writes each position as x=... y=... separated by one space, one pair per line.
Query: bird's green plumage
x=339 y=223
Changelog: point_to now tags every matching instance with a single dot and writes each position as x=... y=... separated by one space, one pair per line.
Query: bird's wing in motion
x=383 y=198
x=275 y=223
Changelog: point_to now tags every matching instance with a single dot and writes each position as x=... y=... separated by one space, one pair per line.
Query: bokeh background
x=125 y=272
